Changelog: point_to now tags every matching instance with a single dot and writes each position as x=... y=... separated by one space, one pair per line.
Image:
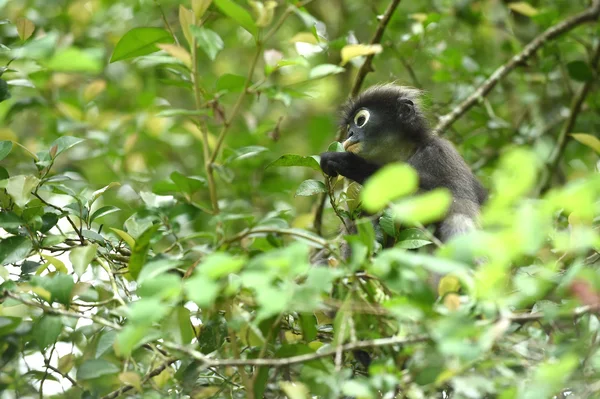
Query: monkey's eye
x=362 y=117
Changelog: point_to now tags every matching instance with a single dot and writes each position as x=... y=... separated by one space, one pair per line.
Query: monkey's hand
x=348 y=165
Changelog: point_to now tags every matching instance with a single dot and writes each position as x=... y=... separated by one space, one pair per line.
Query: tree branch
x=562 y=140
x=367 y=67
x=589 y=15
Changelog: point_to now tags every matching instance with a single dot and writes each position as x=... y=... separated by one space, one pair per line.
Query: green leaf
x=580 y=71
x=139 y=251
x=155 y=268
x=5 y=147
x=187 y=184
x=238 y=14
x=336 y=146
x=63 y=143
x=390 y=182
x=308 y=325
x=73 y=59
x=310 y=187
x=425 y=208
x=104 y=211
x=202 y=290
x=220 y=264
x=20 y=187
x=60 y=286
x=124 y=236
x=296 y=160
x=140 y=41
x=4 y=92
x=209 y=41
x=230 y=82
x=132 y=337
x=9 y=220
x=523 y=8
x=412 y=239
x=323 y=70
x=147 y=311
x=81 y=257
x=14 y=249
x=94 y=368
x=47 y=330
x=589 y=140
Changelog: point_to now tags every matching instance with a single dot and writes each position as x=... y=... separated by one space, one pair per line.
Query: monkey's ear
x=406 y=106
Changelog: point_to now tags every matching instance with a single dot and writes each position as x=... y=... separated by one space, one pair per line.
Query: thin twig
x=563 y=137
x=367 y=66
x=589 y=15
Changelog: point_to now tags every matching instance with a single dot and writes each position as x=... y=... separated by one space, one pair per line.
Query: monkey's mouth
x=352 y=146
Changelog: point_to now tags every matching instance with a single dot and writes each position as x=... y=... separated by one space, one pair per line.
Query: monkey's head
x=384 y=123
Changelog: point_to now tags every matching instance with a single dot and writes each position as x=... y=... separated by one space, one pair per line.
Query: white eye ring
x=361 y=116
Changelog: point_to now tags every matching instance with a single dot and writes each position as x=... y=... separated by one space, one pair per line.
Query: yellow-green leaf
x=524 y=8
x=178 y=52
x=591 y=141
x=186 y=18
x=448 y=284
x=356 y=50
x=131 y=378
x=57 y=263
x=425 y=208
x=126 y=237
x=390 y=182
x=199 y=7
x=25 y=28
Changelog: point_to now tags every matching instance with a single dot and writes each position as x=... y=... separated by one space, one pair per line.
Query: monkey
x=385 y=124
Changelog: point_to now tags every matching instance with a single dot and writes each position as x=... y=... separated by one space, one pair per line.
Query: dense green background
x=172 y=275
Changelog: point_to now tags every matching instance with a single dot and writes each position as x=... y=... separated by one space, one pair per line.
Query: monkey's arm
x=348 y=165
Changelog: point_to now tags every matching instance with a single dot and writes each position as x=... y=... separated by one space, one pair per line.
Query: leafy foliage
x=161 y=213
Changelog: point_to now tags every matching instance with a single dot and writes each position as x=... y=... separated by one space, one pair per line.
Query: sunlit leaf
x=356 y=50
x=523 y=8
x=81 y=257
x=20 y=188
x=140 y=41
x=425 y=208
x=177 y=52
x=325 y=70
x=186 y=18
x=591 y=141
x=389 y=183
x=199 y=7
x=25 y=28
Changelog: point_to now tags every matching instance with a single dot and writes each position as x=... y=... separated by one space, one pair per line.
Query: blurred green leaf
x=296 y=160
x=139 y=252
x=310 y=187
x=94 y=368
x=425 y=208
x=390 y=182
x=138 y=42
x=209 y=41
x=73 y=59
x=5 y=146
x=238 y=14
x=580 y=71
x=230 y=82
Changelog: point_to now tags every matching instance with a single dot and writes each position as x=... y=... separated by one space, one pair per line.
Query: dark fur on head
x=391 y=100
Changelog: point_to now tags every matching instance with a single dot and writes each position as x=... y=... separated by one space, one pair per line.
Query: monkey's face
x=370 y=134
